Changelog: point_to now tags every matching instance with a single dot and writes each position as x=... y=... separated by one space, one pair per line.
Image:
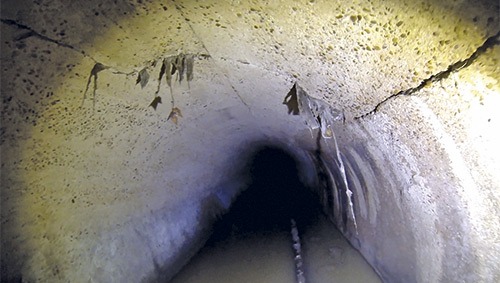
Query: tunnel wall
x=108 y=189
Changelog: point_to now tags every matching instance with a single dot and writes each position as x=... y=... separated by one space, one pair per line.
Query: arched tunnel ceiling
x=111 y=190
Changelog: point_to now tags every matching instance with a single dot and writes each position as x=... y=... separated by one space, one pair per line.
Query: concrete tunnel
x=127 y=128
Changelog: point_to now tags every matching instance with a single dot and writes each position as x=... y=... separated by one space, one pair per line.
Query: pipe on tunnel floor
x=114 y=166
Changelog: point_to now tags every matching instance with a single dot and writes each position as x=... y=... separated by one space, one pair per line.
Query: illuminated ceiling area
x=127 y=127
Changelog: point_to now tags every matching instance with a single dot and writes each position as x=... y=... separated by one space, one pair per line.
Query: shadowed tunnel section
x=275 y=195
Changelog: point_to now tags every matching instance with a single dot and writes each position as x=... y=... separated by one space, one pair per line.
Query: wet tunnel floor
x=253 y=242
x=268 y=257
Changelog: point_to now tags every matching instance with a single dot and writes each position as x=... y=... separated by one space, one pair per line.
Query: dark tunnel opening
x=275 y=195
x=255 y=240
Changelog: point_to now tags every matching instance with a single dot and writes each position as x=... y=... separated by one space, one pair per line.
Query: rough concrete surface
x=109 y=189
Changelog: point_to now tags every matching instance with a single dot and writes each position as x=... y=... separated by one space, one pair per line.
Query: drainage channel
x=269 y=257
x=258 y=239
